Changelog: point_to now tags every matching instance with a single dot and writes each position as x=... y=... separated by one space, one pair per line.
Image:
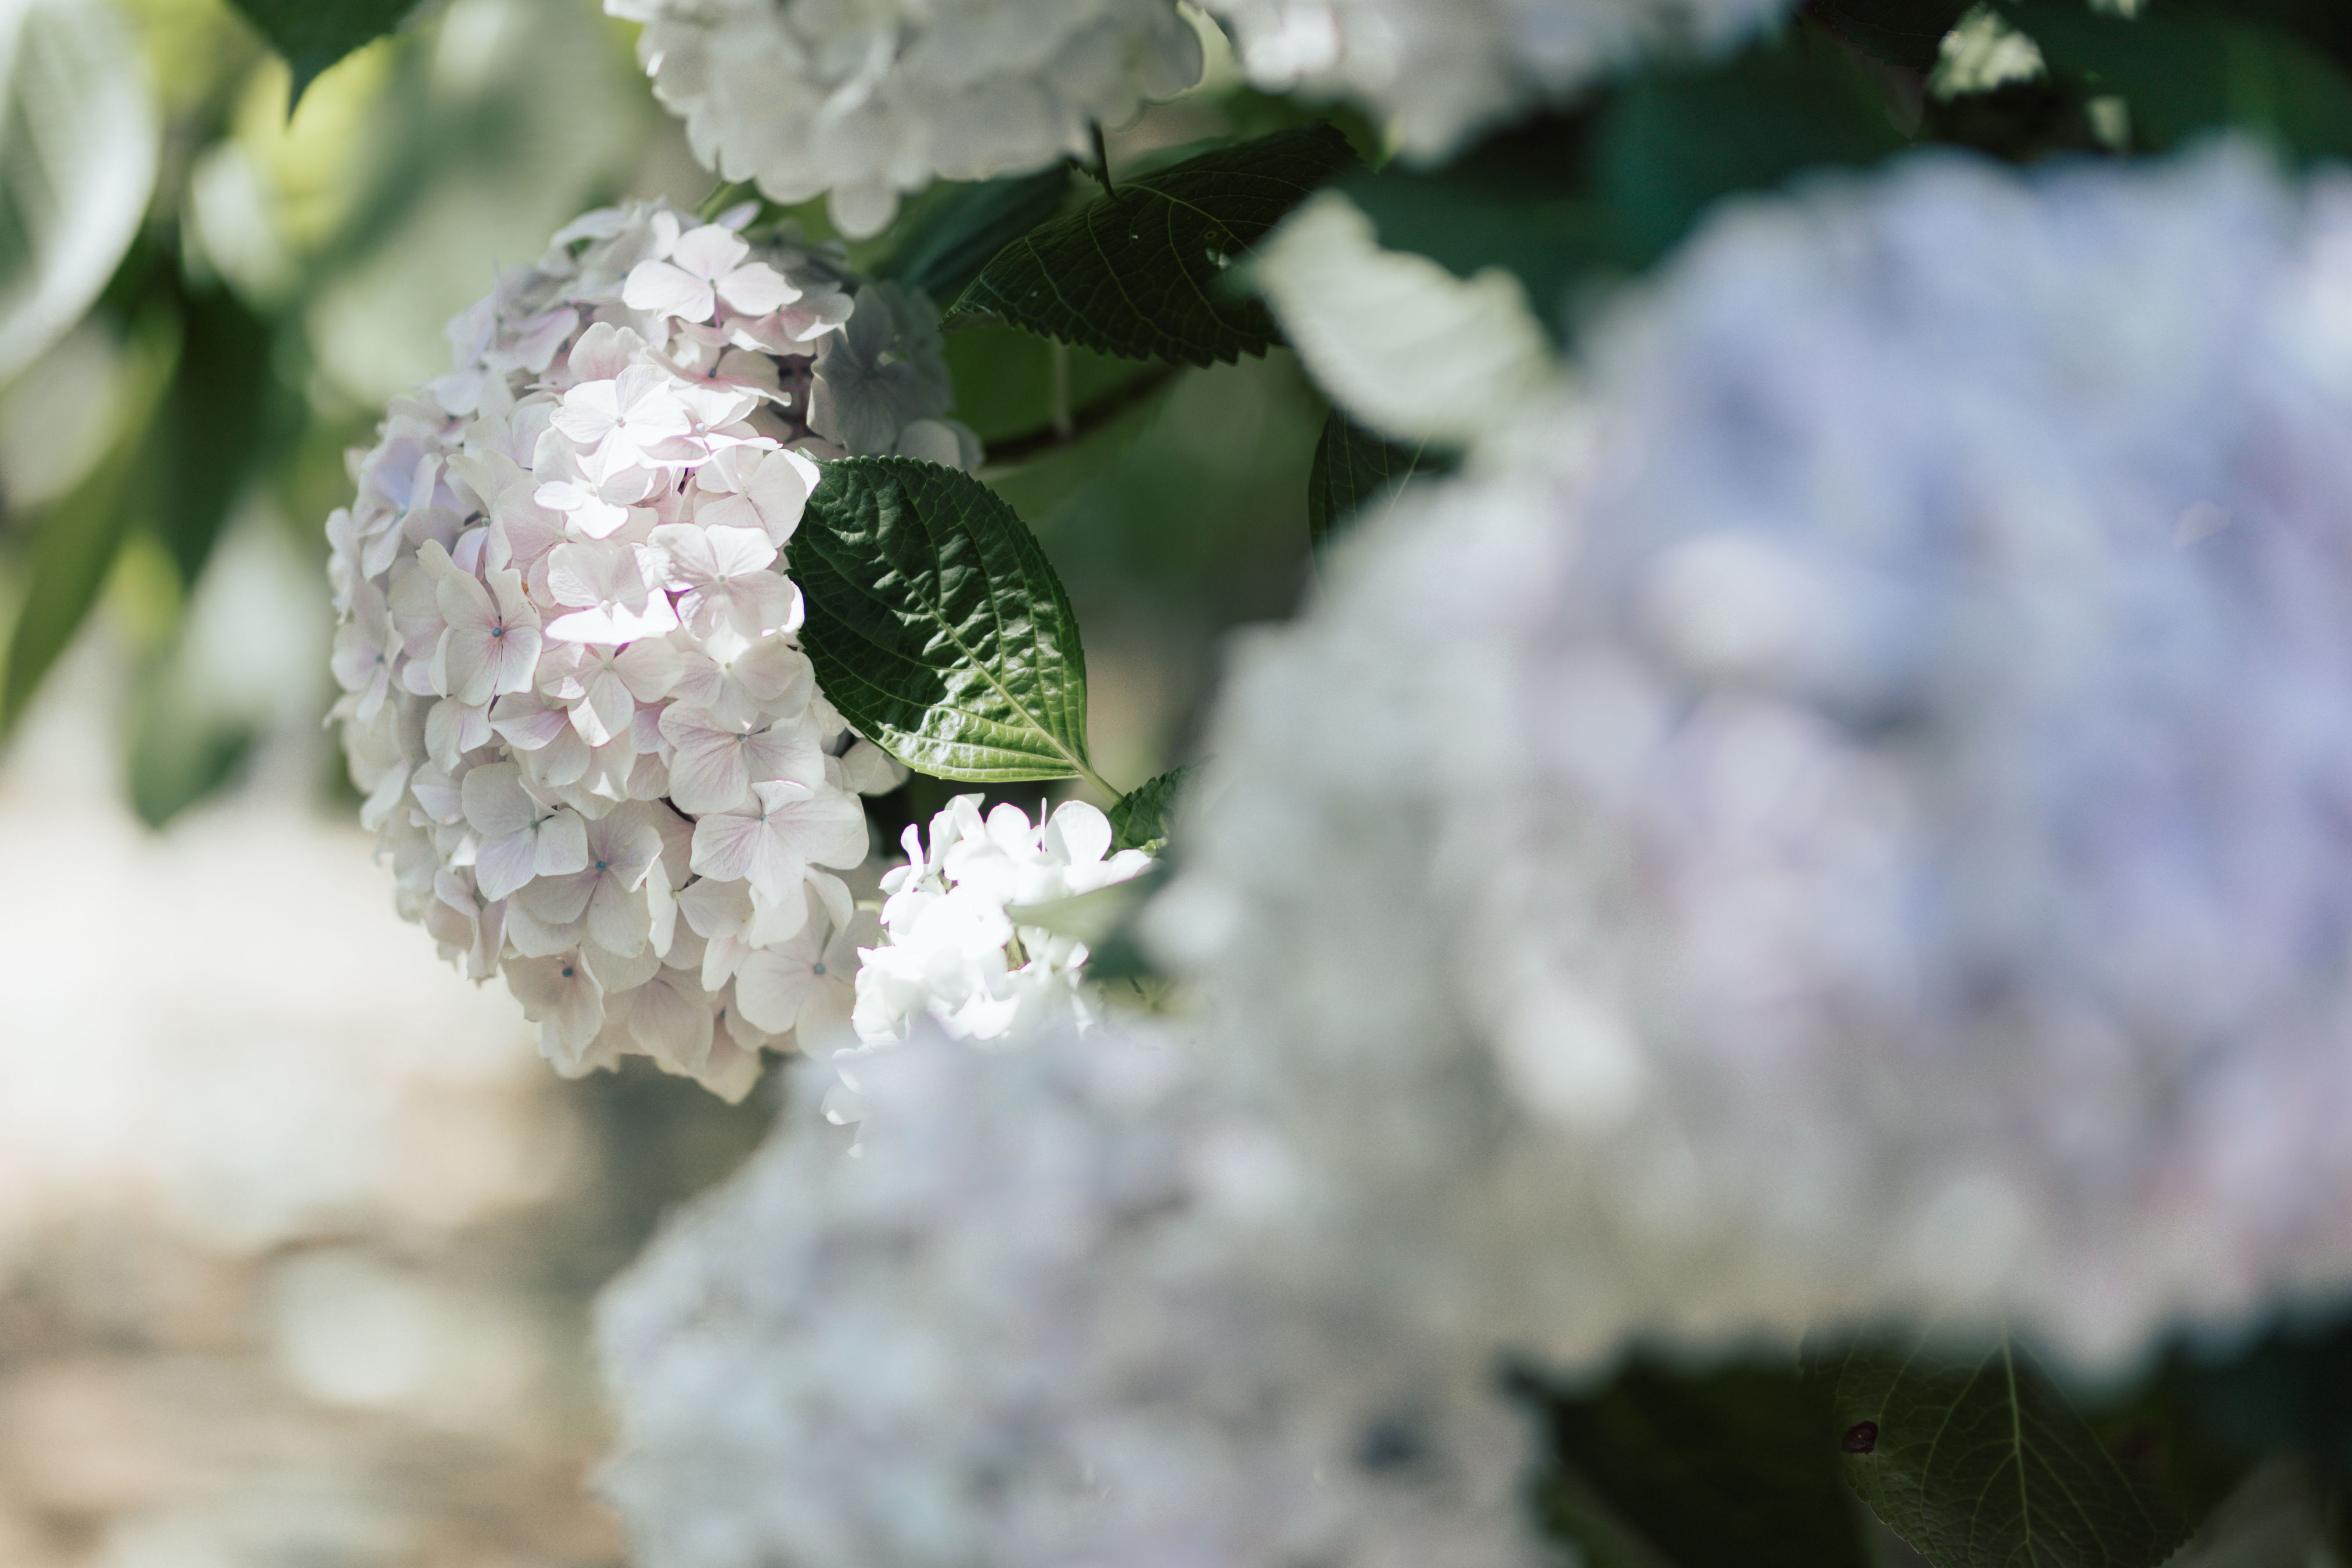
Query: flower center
x=817 y=968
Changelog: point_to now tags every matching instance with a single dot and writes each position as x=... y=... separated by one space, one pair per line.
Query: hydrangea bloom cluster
x=573 y=697
x=958 y=952
x=1890 y=855
x=1441 y=72
x=872 y=99
x=1023 y=1327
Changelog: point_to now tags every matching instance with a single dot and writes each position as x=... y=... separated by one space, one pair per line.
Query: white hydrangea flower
x=1039 y=1319
x=871 y=99
x=1877 y=838
x=956 y=952
x=574 y=694
x=1440 y=72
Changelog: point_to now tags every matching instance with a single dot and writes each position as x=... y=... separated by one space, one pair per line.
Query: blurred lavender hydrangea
x=1851 y=816
x=868 y=100
x=1440 y=72
x=1032 y=1325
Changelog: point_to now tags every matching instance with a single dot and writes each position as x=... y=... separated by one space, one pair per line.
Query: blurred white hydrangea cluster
x=958 y=952
x=1891 y=849
x=1440 y=72
x=871 y=99
x=1038 y=1318
x=572 y=693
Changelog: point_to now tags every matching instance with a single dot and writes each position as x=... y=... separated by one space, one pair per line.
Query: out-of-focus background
x=297 y=1233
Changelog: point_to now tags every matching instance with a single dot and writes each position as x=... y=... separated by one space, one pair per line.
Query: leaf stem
x=1101 y=170
x=1079 y=424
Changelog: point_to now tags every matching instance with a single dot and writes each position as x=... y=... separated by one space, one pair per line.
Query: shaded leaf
x=2184 y=70
x=958 y=234
x=1140 y=819
x=937 y=625
x=314 y=33
x=1147 y=273
x=77 y=141
x=1674 y=142
x=1695 y=1469
x=76 y=540
x=1981 y=1463
x=214 y=424
x=1902 y=32
x=1351 y=466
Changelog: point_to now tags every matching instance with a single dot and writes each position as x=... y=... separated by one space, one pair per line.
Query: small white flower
x=721 y=578
x=706 y=269
x=771 y=840
x=522 y=836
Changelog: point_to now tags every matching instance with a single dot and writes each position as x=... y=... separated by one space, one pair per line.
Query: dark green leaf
x=1351 y=466
x=1981 y=1463
x=1140 y=819
x=1900 y=32
x=938 y=627
x=1674 y=142
x=1147 y=273
x=2182 y=70
x=957 y=234
x=74 y=543
x=314 y=33
x=214 y=424
x=1697 y=1469
x=177 y=759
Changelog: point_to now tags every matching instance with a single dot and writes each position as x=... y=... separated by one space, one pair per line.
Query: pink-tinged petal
x=716 y=908
x=687 y=555
x=649 y=668
x=604 y=352
x=664 y=289
x=617 y=918
x=558 y=900
x=770 y=986
x=563 y=845
x=710 y=251
x=613 y=625
x=756 y=289
x=829 y=829
x=758 y=603
x=787 y=750
x=561 y=761
x=727 y=846
x=527 y=723
x=672 y=1025
x=503 y=865
x=739 y=552
x=661 y=909
x=720 y=958
x=496 y=804
x=778 y=677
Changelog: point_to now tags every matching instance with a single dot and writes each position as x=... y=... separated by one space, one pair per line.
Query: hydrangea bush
x=595 y=753
x=1777 y=912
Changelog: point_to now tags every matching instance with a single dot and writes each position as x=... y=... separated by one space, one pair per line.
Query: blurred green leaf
x=215 y=422
x=1902 y=32
x=177 y=756
x=77 y=140
x=2184 y=70
x=938 y=627
x=1695 y=1469
x=1145 y=273
x=1140 y=819
x=314 y=33
x=1673 y=142
x=76 y=540
x=1351 y=466
x=1981 y=1463
x=952 y=239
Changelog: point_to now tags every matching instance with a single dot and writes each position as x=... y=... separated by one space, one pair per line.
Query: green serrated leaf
x=1982 y=1463
x=1145 y=273
x=1695 y=1469
x=957 y=235
x=938 y=627
x=76 y=540
x=314 y=33
x=1140 y=819
x=1901 y=32
x=1351 y=466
